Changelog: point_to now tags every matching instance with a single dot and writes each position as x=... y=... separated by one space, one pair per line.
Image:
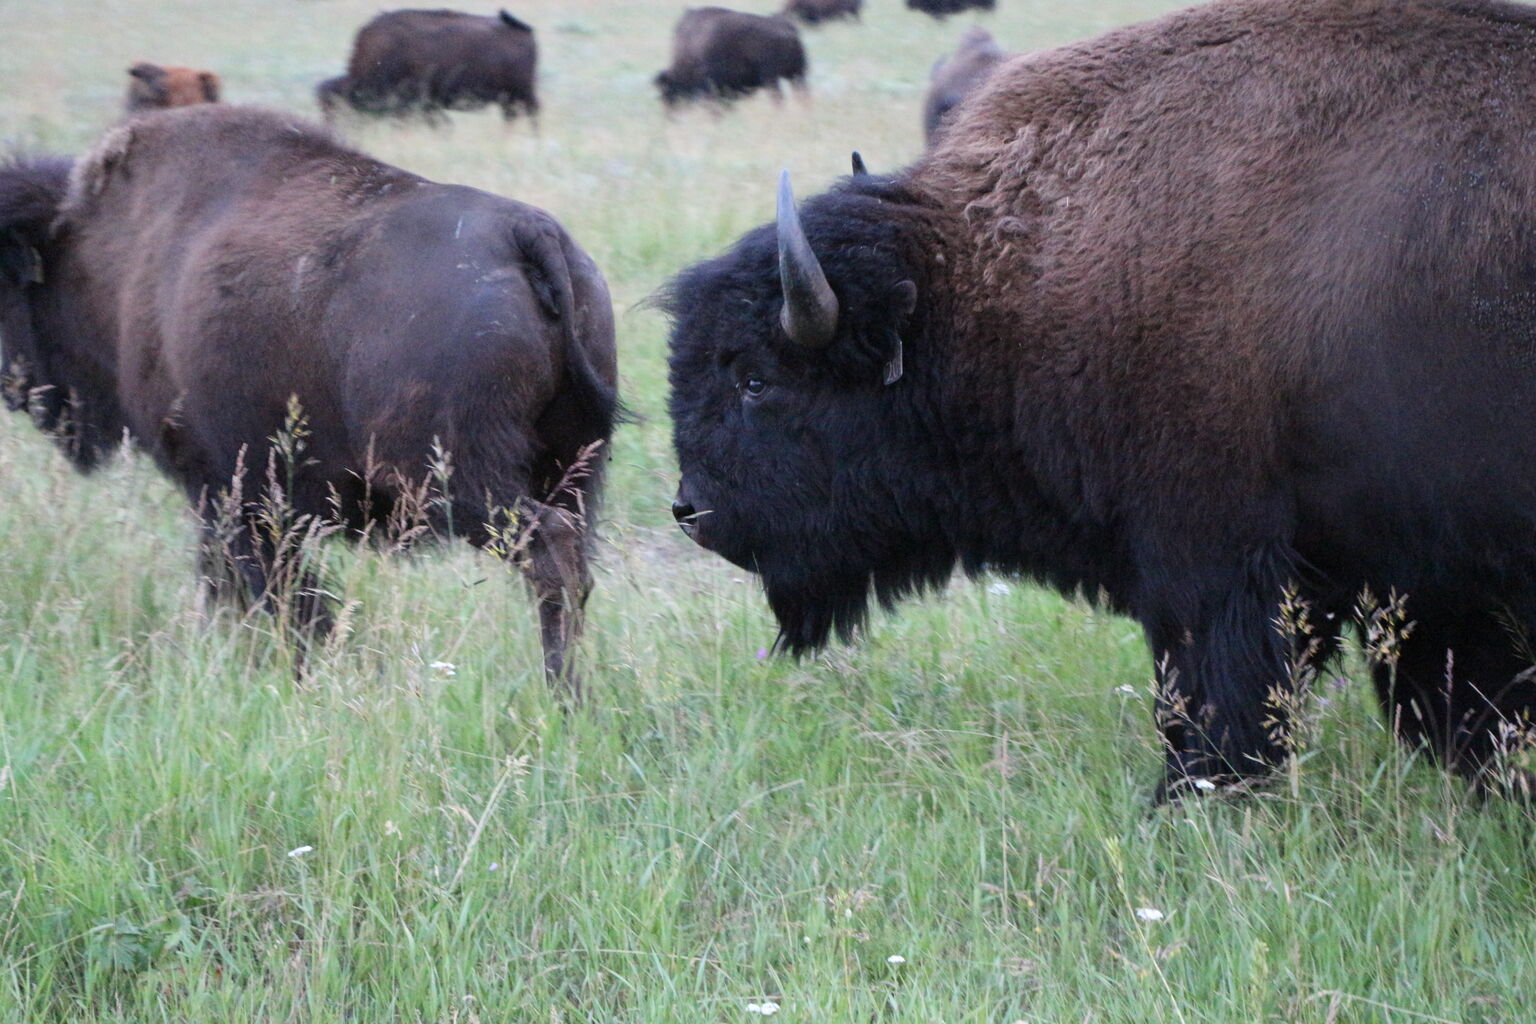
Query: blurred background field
x=945 y=822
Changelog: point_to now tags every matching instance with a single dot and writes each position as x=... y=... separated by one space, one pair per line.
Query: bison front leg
x=556 y=565
x=1230 y=658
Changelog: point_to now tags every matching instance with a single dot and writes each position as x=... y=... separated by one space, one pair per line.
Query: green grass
x=965 y=788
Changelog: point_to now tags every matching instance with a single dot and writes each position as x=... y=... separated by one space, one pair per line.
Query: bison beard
x=1227 y=312
x=401 y=317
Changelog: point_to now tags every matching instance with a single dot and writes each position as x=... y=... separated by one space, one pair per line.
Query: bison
x=427 y=62
x=227 y=285
x=1225 y=319
x=152 y=87
x=942 y=9
x=725 y=54
x=814 y=12
x=958 y=76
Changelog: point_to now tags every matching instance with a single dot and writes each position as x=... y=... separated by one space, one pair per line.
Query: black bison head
x=796 y=421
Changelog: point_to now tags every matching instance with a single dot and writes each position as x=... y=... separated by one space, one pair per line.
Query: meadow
x=946 y=821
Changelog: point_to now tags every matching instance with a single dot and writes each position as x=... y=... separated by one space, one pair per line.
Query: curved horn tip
x=809 y=315
x=859 y=170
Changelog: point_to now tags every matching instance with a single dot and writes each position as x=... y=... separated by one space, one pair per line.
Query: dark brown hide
x=814 y=12
x=723 y=54
x=154 y=87
x=206 y=265
x=943 y=8
x=956 y=77
x=429 y=61
x=1233 y=303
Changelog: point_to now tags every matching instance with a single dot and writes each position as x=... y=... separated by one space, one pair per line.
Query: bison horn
x=810 y=307
x=859 y=170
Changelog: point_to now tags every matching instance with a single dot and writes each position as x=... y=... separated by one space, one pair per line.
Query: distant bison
x=1227 y=319
x=153 y=86
x=207 y=275
x=725 y=54
x=813 y=12
x=944 y=8
x=956 y=77
x=427 y=62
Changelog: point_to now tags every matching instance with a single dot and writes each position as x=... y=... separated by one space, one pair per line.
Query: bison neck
x=1018 y=492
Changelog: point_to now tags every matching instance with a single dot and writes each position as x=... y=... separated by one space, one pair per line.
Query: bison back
x=400 y=313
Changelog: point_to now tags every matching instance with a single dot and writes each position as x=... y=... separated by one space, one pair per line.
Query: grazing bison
x=1227 y=310
x=814 y=12
x=152 y=87
x=205 y=273
x=725 y=54
x=430 y=61
x=944 y=8
x=955 y=78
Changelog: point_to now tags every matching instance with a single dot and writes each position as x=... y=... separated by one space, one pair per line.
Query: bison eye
x=754 y=387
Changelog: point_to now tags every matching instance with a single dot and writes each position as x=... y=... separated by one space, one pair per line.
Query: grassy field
x=946 y=822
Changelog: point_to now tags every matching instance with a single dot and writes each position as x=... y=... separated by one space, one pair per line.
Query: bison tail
x=31 y=192
x=549 y=273
x=513 y=22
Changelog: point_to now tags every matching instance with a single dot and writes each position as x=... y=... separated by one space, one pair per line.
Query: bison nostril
x=682 y=511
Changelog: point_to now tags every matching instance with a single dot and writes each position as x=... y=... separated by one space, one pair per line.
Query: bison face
x=795 y=429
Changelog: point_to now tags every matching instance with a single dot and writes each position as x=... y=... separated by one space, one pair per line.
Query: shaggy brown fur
x=153 y=87
x=957 y=76
x=722 y=54
x=431 y=61
x=1237 y=301
x=204 y=266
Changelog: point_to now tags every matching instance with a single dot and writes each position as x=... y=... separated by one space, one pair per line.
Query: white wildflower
x=1205 y=784
x=765 y=1009
x=299 y=851
x=446 y=669
x=895 y=958
x=1149 y=914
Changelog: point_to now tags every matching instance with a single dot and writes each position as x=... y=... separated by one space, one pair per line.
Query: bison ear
x=210 y=84
x=904 y=300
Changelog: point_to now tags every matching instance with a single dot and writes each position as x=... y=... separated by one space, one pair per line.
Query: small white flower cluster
x=895 y=958
x=1149 y=914
x=446 y=669
x=765 y=1009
